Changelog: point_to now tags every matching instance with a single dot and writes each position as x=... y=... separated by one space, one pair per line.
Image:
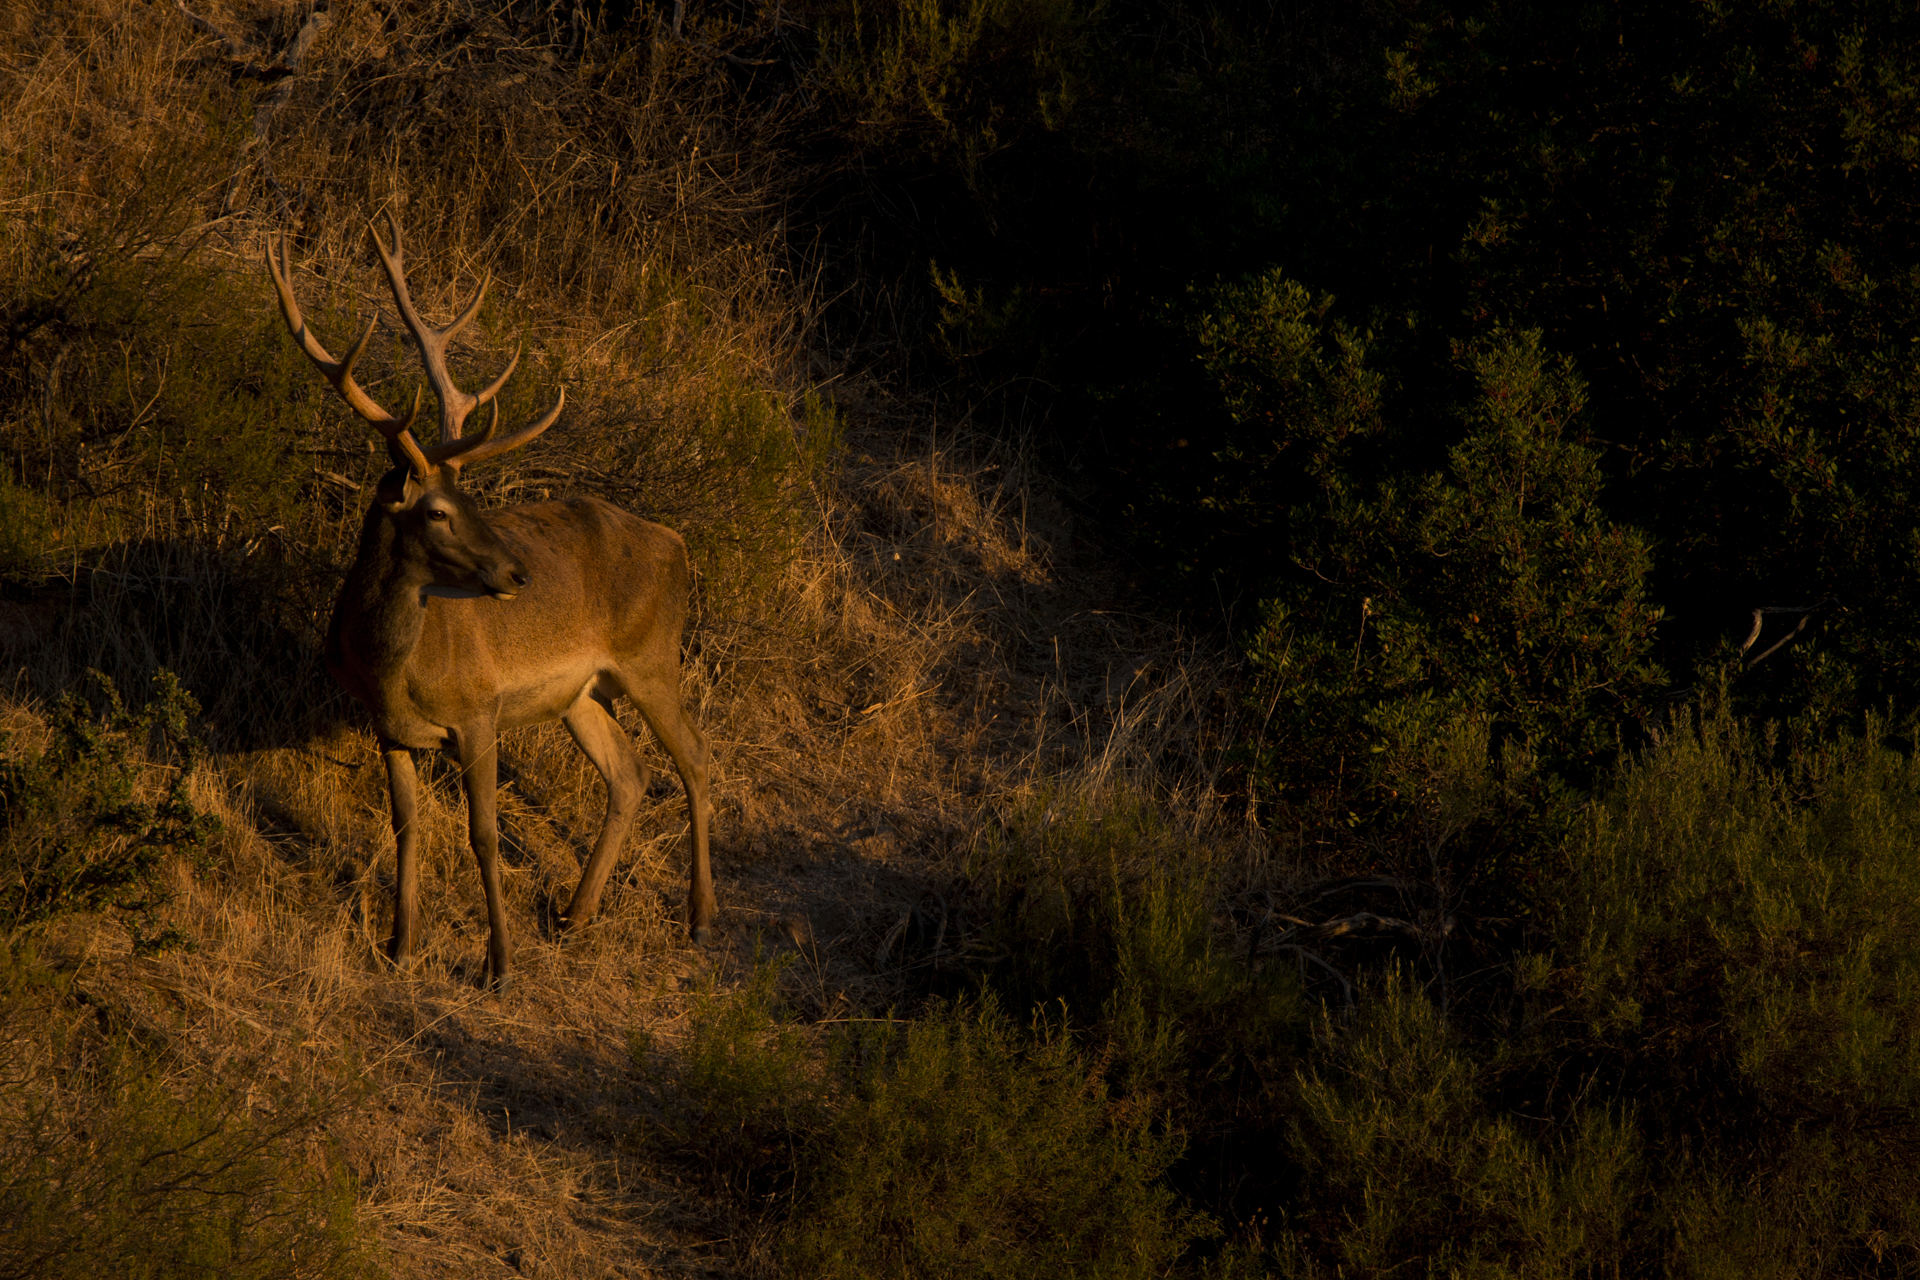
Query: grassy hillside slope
x=891 y=643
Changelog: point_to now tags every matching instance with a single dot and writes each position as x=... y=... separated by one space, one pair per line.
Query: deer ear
x=399 y=489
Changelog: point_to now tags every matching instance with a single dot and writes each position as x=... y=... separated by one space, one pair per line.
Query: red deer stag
x=454 y=624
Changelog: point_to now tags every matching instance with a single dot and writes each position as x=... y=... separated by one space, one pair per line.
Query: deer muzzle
x=505 y=581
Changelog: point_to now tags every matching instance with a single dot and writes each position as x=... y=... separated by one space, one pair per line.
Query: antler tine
x=492 y=389
x=465 y=318
x=339 y=373
x=458 y=453
x=455 y=404
x=452 y=453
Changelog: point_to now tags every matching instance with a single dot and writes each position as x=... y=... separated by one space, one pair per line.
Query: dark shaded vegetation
x=957 y=1143
x=1493 y=373
x=1695 y=1056
x=1702 y=214
x=75 y=837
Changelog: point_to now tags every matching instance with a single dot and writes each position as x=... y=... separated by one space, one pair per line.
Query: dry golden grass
x=898 y=646
x=863 y=731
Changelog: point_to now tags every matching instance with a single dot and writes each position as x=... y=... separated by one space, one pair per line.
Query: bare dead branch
x=1806 y=614
x=1346 y=988
x=1359 y=922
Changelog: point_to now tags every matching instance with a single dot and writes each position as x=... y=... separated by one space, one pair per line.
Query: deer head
x=439 y=533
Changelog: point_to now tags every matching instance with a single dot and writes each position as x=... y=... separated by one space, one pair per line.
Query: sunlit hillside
x=895 y=642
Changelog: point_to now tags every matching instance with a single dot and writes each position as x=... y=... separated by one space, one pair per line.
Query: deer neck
x=378 y=617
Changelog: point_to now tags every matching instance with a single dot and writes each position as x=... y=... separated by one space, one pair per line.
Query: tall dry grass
x=897 y=639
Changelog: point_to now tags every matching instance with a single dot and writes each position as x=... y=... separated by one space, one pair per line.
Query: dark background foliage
x=1705 y=210
x=1489 y=371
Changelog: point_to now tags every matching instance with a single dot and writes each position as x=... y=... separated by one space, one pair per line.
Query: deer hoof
x=703 y=935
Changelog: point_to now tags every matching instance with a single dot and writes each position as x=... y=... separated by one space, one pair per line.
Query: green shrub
x=965 y=1148
x=1695 y=1051
x=1813 y=1210
x=1113 y=911
x=1404 y=1161
x=1493 y=587
x=749 y=1097
x=956 y=1144
x=1749 y=931
x=1109 y=909
x=749 y=445
x=1050 y=870
x=1741 y=941
x=107 y=1170
x=77 y=835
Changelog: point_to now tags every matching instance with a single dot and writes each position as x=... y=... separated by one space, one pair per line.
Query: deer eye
x=436 y=513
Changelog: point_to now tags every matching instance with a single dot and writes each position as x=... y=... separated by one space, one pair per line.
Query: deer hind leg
x=479 y=770
x=403 y=793
x=590 y=721
x=659 y=703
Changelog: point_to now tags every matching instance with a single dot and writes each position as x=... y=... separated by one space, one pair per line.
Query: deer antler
x=458 y=453
x=339 y=373
x=455 y=404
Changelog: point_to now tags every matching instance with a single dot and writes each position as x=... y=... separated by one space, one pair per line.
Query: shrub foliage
x=965 y=1148
x=75 y=835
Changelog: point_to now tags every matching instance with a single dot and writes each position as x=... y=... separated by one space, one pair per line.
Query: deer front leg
x=402 y=794
x=479 y=768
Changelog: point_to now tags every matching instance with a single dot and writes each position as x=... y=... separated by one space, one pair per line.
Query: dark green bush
x=1695 y=1053
x=1710 y=1066
x=1698 y=211
x=1405 y=1162
x=965 y=1147
x=956 y=1144
x=1747 y=928
x=77 y=836
x=749 y=1098
x=1419 y=579
x=1741 y=936
x=1109 y=909
x=1420 y=574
